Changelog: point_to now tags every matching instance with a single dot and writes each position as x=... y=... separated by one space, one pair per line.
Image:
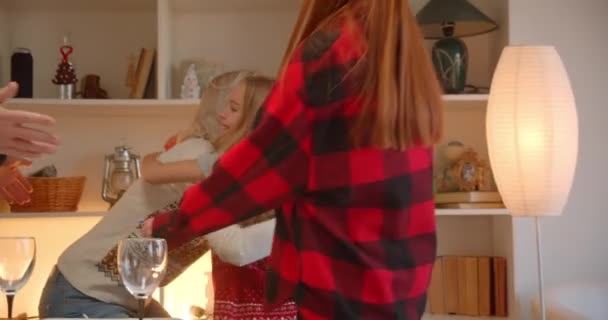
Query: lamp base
x=451 y=61
x=539 y=261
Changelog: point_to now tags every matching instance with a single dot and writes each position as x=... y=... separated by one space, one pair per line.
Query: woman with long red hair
x=344 y=149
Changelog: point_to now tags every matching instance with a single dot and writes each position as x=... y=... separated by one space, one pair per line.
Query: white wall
x=249 y=40
x=574 y=245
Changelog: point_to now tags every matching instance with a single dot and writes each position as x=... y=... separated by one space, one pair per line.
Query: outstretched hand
x=14 y=187
x=17 y=136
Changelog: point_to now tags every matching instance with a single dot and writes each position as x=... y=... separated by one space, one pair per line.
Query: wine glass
x=17 y=260
x=142 y=264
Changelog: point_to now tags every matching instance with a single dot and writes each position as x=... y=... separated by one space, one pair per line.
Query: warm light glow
x=193 y=287
x=532 y=131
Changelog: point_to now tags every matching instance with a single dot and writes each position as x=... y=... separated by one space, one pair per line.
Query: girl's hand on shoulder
x=171 y=142
x=177 y=139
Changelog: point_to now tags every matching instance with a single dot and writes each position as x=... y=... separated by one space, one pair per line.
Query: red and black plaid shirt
x=355 y=235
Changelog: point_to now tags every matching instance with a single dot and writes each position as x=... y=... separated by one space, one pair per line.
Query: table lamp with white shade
x=532 y=135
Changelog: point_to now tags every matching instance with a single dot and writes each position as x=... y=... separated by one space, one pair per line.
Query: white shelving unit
x=216 y=35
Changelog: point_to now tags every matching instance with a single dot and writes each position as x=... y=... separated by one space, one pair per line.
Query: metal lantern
x=121 y=169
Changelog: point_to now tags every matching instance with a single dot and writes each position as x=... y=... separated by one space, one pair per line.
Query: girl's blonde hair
x=214 y=97
x=257 y=88
x=402 y=107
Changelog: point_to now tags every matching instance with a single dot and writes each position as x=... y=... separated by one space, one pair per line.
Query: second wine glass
x=142 y=264
x=17 y=260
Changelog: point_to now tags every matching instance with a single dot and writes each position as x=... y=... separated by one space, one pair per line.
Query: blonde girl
x=85 y=281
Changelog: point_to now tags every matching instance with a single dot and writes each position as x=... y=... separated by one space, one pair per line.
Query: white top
x=241 y=246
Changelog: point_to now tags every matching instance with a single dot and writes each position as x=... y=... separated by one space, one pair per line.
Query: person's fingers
x=25 y=117
x=26 y=149
x=16 y=162
x=4 y=194
x=20 y=154
x=24 y=183
x=33 y=134
x=24 y=163
x=8 y=92
x=17 y=193
x=8 y=192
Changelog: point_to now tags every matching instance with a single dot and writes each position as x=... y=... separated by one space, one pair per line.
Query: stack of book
x=471 y=286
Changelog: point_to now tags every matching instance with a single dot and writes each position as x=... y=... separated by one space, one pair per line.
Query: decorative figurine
x=65 y=76
x=191 y=88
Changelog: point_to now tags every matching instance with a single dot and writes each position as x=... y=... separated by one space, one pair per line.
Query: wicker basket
x=53 y=195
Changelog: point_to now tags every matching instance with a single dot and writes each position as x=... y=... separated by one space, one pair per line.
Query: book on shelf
x=468 y=286
x=150 y=91
x=144 y=78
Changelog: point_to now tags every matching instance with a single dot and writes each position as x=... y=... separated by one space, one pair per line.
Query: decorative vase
x=451 y=60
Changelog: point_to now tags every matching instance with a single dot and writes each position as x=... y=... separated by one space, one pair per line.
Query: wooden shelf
x=457 y=102
x=233 y=5
x=472 y=212
x=109 y=107
x=82 y=6
x=466 y=97
x=105 y=102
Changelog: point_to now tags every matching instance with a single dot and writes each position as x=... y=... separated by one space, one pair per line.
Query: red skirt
x=239 y=293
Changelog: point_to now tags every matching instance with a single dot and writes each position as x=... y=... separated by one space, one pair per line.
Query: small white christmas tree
x=191 y=88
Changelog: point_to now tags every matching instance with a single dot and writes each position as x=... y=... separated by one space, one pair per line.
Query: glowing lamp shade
x=532 y=131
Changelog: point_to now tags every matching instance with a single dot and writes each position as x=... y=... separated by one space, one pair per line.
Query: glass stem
x=140 y=308
x=9 y=301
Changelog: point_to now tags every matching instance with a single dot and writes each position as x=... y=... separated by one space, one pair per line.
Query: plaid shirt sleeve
x=261 y=172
